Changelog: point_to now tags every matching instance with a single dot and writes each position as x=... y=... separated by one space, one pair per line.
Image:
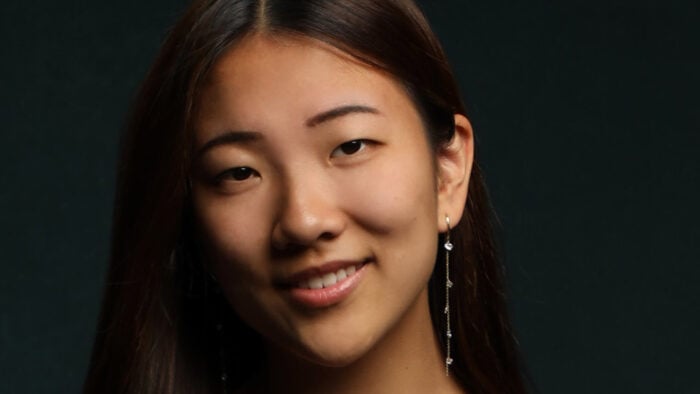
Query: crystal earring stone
x=448 y=285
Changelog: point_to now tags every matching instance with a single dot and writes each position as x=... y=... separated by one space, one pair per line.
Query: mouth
x=326 y=285
x=330 y=279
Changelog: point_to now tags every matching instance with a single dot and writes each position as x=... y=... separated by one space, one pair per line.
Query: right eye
x=237 y=174
x=351 y=147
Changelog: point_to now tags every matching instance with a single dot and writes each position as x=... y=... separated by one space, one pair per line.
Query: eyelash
x=240 y=174
x=350 y=144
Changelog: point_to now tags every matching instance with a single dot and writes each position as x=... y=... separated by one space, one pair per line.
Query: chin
x=335 y=351
x=333 y=358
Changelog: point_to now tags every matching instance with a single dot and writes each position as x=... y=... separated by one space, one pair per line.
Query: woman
x=298 y=210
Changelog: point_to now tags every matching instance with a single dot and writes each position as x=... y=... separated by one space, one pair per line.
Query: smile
x=325 y=286
x=329 y=279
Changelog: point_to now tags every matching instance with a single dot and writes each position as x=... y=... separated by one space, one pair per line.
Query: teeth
x=316 y=283
x=328 y=279
x=341 y=274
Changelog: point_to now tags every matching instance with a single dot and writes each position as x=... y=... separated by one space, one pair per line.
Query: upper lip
x=320 y=270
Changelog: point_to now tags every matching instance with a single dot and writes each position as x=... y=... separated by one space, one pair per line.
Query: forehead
x=266 y=77
x=284 y=56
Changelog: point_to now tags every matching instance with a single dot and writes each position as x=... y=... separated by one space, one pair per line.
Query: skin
x=285 y=191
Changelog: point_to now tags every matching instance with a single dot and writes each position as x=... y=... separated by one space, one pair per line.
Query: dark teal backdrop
x=587 y=115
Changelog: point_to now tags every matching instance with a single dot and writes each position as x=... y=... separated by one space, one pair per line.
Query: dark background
x=587 y=116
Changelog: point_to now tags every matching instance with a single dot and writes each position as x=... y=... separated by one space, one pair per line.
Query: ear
x=454 y=166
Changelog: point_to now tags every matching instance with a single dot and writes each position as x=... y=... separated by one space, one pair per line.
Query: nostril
x=286 y=244
x=306 y=215
x=327 y=235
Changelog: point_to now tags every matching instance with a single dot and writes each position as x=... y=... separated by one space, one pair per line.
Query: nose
x=309 y=213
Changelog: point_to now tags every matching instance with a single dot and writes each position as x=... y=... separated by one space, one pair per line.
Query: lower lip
x=327 y=296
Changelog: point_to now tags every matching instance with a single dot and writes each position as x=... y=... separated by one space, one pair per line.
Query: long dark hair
x=157 y=330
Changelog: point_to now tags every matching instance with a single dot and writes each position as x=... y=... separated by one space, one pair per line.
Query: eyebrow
x=338 y=112
x=229 y=137
x=234 y=137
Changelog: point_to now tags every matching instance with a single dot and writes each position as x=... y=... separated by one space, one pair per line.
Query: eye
x=349 y=148
x=237 y=174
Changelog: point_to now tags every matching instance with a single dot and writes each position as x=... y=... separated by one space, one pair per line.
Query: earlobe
x=454 y=168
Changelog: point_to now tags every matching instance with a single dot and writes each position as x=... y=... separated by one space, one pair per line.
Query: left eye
x=236 y=174
x=349 y=148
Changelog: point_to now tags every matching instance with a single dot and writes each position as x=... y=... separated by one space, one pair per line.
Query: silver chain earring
x=448 y=285
x=222 y=357
x=220 y=333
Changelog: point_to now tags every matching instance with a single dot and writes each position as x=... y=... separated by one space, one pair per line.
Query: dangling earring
x=448 y=285
x=220 y=333
x=222 y=357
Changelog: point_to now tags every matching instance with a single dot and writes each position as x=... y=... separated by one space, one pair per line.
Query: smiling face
x=316 y=195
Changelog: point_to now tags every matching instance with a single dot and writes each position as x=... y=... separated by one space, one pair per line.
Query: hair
x=156 y=330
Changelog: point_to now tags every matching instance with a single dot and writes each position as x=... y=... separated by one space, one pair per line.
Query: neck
x=406 y=360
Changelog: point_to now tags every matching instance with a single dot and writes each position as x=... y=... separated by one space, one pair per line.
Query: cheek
x=396 y=200
x=232 y=234
x=234 y=242
x=397 y=192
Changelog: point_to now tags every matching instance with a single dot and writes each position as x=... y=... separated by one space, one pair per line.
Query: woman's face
x=316 y=193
